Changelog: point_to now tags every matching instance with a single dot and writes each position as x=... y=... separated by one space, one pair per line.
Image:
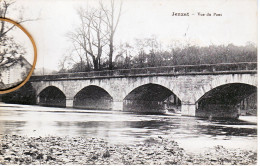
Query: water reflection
x=10 y=127
x=121 y=127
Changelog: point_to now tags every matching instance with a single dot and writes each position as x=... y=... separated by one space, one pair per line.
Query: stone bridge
x=201 y=90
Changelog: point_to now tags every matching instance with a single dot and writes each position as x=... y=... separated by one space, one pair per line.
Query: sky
x=140 y=19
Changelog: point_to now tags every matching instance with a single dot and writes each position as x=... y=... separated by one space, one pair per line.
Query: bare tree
x=91 y=35
x=78 y=52
x=74 y=60
x=112 y=19
x=94 y=37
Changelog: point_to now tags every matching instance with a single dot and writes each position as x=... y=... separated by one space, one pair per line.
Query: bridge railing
x=181 y=69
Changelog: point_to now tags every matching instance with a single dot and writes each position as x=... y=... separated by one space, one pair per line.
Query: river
x=192 y=133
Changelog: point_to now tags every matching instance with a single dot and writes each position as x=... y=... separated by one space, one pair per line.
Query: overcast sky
x=143 y=18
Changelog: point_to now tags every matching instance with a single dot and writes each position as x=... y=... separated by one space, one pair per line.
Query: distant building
x=14 y=72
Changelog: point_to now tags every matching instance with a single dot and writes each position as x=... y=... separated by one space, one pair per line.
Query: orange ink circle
x=34 y=61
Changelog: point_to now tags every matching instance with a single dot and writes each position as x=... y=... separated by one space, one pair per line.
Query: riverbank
x=82 y=150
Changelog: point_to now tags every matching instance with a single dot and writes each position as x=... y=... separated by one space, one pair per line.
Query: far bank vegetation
x=149 y=52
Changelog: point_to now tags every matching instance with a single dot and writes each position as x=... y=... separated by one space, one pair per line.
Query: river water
x=192 y=133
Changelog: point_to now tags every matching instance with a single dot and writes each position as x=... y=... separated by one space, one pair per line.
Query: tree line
x=148 y=53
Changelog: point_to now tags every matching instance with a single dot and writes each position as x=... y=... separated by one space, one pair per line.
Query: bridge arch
x=152 y=98
x=93 y=97
x=39 y=88
x=164 y=82
x=222 y=97
x=51 y=96
x=228 y=79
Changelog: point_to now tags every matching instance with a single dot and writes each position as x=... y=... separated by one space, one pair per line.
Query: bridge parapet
x=163 y=70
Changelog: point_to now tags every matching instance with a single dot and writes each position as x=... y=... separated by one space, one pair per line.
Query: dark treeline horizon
x=154 y=56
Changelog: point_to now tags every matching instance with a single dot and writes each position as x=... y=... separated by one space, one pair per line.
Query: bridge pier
x=69 y=102
x=117 y=105
x=188 y=109
x=38 y=100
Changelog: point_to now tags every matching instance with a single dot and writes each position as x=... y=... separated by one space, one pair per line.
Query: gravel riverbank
x=81 y=150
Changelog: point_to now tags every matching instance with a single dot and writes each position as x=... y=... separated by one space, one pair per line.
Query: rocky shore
x=82 y=150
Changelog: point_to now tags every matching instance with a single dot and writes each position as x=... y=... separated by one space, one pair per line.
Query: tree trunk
x=99 y=63
x=111 y=54
x=95 y=62
x=88 y=65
